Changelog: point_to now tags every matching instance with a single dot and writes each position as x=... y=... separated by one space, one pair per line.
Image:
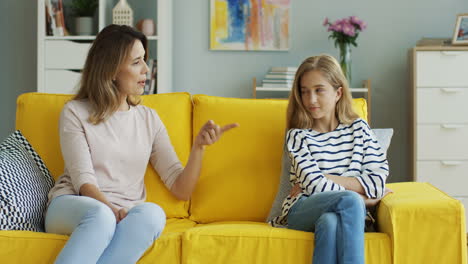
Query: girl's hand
x=295 y=190
x=387 y=191
x=373 y=202
x=210 y=133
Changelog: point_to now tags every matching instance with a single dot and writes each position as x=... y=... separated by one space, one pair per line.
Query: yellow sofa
x=224 y=220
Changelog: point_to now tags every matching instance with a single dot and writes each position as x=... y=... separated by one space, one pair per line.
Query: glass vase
x=345 y=60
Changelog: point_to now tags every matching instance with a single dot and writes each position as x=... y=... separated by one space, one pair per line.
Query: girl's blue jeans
x=337 y=218
x=95 y=235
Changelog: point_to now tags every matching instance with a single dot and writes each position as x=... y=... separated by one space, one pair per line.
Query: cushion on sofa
x=236 y=180
x=253 y=242
x=43 y=110
x=24 y=184
x=383 y=135
x=175 y=111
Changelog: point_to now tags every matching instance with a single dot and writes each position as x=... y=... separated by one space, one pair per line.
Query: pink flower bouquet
x=346 y=30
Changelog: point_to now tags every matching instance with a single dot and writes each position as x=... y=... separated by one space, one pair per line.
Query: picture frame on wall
x=247 y=25
x=460 y=34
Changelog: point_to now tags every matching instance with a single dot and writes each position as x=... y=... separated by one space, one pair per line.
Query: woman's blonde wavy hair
x=297 y=114
x=108 y=52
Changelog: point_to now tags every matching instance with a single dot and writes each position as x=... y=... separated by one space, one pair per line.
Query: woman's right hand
x=295 y=190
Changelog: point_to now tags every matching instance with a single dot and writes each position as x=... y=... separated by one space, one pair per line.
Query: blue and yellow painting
x=249 y=24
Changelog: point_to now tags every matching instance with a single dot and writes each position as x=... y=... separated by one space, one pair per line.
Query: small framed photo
x=460 y=36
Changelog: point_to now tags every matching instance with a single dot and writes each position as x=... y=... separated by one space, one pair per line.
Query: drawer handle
x=451 y=90
x=452 y=126
x=451 y=162
x=451 y=53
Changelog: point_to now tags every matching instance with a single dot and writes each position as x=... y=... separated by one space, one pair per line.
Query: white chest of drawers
x=439 y=126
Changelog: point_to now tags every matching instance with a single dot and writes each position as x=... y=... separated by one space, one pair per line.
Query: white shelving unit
x=364 y=92
x=60 y=59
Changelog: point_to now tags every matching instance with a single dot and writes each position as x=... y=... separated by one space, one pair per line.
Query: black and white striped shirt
x=348 y=151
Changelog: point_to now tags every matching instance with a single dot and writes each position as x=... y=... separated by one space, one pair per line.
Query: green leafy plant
x=84 y=8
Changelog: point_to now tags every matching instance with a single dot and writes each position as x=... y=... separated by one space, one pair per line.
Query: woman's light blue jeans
x=95 y=236
x=337 y=218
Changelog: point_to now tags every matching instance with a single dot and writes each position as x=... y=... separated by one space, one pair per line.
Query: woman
x=107 y=139
x=337 y=165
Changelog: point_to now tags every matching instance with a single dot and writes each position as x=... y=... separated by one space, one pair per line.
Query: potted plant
x=84 y=12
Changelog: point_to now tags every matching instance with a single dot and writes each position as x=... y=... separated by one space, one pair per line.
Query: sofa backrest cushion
x=175 y=111
x=37 y=118
x=241 y=172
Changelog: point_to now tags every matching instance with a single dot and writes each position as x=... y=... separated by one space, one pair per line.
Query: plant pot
x=84 y=25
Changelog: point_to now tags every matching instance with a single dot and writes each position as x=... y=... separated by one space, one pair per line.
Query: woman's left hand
x=122 y=213
x=211 y=132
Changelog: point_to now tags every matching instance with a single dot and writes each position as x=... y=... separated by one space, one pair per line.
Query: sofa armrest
x=425 y=225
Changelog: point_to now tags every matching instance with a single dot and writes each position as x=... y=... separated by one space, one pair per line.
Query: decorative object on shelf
x=460 y=34
x=146 y=26
x=249 y=25
x=345 y=32
x=122 y=14
x=84 y=12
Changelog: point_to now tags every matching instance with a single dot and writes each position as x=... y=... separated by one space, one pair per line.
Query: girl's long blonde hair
x=297 y=114
x=108 y=52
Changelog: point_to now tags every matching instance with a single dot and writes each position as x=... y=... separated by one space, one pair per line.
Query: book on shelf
x=284 y=69
x=154 y=78
x=279 y=77
x=148 y=77
x=278 y=81
x=151 y=84
x=55 y=18
x=282 y=73
x=277 y=85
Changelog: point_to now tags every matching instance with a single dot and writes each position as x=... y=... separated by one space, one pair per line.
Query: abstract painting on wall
x=249 y=25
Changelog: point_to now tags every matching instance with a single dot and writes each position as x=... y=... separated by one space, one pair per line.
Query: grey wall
x=394 y=27
x=382 y=55
x=18 y=39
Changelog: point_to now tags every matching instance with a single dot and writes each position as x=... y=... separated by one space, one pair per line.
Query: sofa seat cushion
x=38 y=248
x=168 y=248
x=255 y=242
x=37 y=117
x=245 y=165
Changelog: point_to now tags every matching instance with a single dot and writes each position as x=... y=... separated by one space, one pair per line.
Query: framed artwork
x=460 y=34
x=254 y=25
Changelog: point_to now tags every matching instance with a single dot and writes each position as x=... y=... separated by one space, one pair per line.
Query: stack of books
x=280 y=77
